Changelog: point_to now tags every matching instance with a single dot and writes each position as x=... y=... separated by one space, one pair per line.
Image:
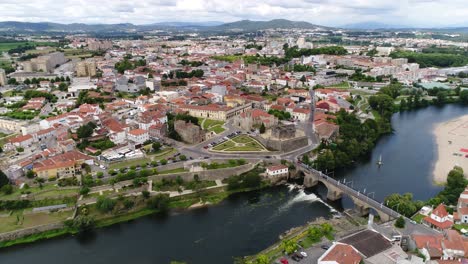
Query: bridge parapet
x=336 y=189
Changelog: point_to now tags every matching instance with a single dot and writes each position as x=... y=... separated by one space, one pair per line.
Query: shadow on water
x=89 y=236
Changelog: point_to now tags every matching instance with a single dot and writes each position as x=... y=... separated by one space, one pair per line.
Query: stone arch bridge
x=335 y=190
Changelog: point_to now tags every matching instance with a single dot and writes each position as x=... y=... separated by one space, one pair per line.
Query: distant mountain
x=244 y=25
x=249 y=25
x=188 y=24
x=57 y=27
x=372 y=25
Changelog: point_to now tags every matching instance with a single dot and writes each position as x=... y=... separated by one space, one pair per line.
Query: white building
x=138 y=136
x=277 y=171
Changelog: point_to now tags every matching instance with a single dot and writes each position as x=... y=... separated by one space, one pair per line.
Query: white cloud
x=324 y=12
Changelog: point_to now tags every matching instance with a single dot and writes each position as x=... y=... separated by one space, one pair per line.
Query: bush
x=83 y=222
x=84 y=190
x=7 y=189
x=400 y=222
x=145 y=194
x=159 y=202
x=105 y=204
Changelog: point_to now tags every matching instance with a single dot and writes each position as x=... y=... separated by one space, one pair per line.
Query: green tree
x=128 y=203
x=86 y=130
x=289 y=246
x=262 y=259
x=159 y=202
x=315 y=234
x=83 y=222
x=105 y=204
x=63 y=87
x=156 y=146
x=84 y=190
x=400 y=222
x=455 y=185
x=262 y=128
x=392 y=90
x=7 y=189
x=441 y=97
x=145 y=194
x=3 y=179
x=30 y=174
x=464 y=97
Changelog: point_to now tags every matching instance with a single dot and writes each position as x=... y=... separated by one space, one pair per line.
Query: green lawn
x=47 y=191
x=240 y=143
x=128 y=163
x=418 y=218
x=242 y=139
x=459 y=227
x=225 y=145
x=253 y=146
x=218 y=129
x=6 y=46
x=209 y=123
x=163 y=153
x=16 y=221
x=57 y=193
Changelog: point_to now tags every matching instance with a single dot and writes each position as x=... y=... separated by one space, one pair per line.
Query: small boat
x=380 y=162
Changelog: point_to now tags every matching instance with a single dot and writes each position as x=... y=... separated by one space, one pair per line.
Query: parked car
x=284 y=261
x=304 y=254
x=326 y=247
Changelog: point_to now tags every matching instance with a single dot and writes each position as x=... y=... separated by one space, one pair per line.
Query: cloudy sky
x=423 y=13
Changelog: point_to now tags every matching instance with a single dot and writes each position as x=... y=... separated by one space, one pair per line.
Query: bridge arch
x=335 y=191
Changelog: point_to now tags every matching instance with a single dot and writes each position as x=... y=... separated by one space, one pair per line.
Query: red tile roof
x=277 y=167
x=137 y=132
x=342 y=254
x=440 y=211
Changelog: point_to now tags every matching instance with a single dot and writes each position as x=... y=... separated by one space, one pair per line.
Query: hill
x=249 y=25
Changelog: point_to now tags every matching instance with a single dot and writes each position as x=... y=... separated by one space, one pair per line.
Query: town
x=100 y=130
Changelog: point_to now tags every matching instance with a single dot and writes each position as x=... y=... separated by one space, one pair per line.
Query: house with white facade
x=277 y=171
x=138 y=136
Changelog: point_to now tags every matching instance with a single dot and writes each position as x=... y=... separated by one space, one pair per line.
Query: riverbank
x=178 y=204
x=452 y=147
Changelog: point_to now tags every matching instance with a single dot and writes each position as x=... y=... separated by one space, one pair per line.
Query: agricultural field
x=6 y=46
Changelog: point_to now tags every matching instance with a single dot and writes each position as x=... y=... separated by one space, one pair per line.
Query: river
x=246 y=223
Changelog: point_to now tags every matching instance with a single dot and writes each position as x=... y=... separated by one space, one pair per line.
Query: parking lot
x=313 y=254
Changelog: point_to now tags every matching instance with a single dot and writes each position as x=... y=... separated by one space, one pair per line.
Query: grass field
x=242 y=139
x=212 y=125
x=217 y=129
x=6 y=46
x=418 y=218
x=16 y=220
x=343 y=85
x=240 y=143
x=47 y=191
x=128 y=163
x=225 y=145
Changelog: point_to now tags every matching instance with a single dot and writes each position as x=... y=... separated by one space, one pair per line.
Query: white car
x=304 y=254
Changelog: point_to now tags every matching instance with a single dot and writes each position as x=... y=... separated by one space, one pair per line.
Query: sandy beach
x=452 y=147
